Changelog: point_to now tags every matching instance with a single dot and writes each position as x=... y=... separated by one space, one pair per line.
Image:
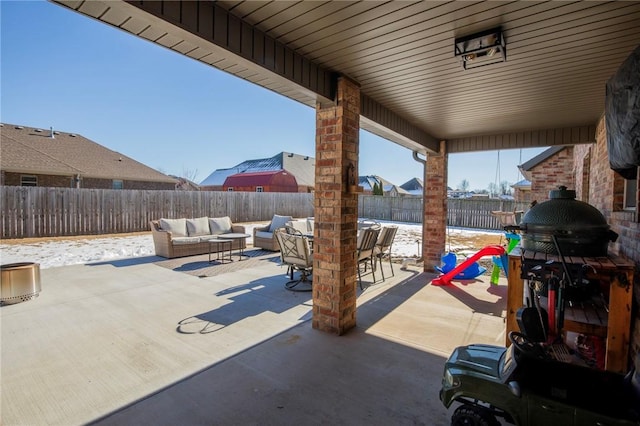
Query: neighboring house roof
x=253 y=179
x=397 y=190
x=218 y=177
x=523 y=184
x=528 y=165
x=32 y=150
x=302 y=167
x=413 y=186
x=367 y=182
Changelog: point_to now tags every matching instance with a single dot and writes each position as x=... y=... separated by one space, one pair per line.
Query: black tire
x=469 y=415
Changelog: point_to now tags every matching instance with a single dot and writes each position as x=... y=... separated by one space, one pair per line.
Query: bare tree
x=189 y=174
x=505 y=188
x=494 y=190
x=464 y=185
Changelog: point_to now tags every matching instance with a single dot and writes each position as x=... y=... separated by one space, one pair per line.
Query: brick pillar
x=434 y=231
x=336 y=211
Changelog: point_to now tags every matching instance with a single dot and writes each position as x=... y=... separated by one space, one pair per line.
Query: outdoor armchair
x=295 y=252
x=263 y=236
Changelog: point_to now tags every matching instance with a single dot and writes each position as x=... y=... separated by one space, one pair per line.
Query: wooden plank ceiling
x=551 y=89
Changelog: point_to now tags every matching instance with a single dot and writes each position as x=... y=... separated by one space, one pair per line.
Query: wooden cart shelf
x=612 y=321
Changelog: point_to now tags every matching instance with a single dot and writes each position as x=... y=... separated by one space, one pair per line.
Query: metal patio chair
x=365 y=257
x=295 y=252
x=383 y=246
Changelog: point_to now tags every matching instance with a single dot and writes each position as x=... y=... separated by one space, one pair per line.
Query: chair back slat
x=367 y=242
x=386 y=237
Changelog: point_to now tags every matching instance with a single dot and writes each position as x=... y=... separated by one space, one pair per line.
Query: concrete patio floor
x=129 y=342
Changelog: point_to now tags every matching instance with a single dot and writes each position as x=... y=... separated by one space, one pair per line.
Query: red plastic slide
x=494 y=250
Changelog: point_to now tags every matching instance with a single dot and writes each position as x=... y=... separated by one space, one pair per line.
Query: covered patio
x=130 y=342
x=435 y=77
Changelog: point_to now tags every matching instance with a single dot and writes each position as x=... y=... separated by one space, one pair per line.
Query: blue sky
x=63 y=70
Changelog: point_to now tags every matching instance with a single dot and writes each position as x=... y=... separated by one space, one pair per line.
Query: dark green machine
x=526 y=385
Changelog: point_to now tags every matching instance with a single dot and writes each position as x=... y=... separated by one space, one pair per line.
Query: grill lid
x=562 y=212
x=579 y=229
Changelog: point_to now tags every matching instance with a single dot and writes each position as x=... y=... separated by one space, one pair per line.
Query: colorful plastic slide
x=449 y=261
x=495 y=250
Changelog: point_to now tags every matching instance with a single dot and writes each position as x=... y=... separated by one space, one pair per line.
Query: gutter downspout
x=424 y=204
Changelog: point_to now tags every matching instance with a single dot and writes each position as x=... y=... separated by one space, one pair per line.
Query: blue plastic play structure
x=449 y=262
x=470 y=269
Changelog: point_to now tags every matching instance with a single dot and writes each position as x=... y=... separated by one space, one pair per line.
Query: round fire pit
x=19 y=282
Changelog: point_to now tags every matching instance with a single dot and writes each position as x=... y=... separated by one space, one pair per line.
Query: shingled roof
x=33 y=150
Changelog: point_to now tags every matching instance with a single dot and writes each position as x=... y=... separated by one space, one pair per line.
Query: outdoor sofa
x=188 y=237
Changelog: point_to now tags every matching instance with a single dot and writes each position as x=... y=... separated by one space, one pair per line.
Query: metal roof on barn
x=302 y=167
x=253 y=179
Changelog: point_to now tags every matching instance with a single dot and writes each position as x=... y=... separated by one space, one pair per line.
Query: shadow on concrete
x=120 y=263
x=247 y=300
x=304 y=376
x=495 y=308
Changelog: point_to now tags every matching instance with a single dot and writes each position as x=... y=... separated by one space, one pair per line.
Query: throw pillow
x=278 y=222
x=220 y=225
x=198 y=226
x=177 y=227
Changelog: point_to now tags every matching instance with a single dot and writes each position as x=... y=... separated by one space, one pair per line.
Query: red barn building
x=269 y=181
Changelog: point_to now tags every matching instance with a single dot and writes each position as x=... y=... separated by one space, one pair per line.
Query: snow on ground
x=62 y=252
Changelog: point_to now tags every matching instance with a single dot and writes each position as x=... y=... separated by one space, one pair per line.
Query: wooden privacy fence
x=474 y=213
x=46 y=212
x=395 y=209
x=462 y=212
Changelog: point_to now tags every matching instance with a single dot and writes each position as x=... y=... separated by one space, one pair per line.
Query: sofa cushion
x=177 y=227
x=299 y=225
x=198 y=226
x=278 y=222
x=178 y=241
x=207 y=238
x=264 y=234
x=220 y=225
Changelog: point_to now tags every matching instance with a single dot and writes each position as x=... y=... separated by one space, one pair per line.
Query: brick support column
x=435 y=208
x=336 y=211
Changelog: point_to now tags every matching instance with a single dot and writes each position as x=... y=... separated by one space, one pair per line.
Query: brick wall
x=605 y=190
x=553 y=172
x=521 y=195
x=582 y=161
x=127 y=184
x=14 y=179
x=52 y=181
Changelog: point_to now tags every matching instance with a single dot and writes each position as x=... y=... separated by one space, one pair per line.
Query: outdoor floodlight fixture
x=480 y=49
